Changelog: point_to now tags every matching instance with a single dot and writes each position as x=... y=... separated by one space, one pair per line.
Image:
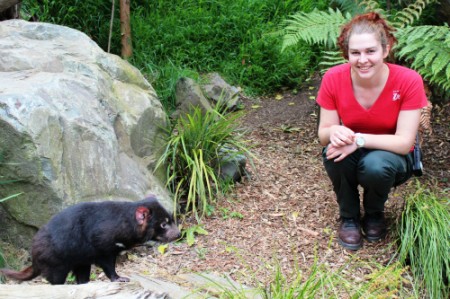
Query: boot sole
x=349 y=246
x=373 y=239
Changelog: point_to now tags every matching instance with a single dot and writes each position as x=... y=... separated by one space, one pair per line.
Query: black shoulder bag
x=417 y=167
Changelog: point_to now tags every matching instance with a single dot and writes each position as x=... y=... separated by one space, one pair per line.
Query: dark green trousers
x=377 y=171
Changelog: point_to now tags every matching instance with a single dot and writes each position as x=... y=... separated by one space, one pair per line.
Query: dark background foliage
x=179 y=38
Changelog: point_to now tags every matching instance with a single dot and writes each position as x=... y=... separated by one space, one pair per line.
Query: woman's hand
x=341 y=136
x=341 y=152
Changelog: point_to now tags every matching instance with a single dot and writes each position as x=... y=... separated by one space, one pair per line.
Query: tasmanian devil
x=94 y=233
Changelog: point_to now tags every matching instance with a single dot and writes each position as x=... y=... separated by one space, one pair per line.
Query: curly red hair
x=370 y=22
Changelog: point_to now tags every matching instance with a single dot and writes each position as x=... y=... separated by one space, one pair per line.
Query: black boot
x=374 y=226
x=349 y=234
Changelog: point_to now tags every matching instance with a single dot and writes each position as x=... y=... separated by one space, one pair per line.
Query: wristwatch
x=360 y=141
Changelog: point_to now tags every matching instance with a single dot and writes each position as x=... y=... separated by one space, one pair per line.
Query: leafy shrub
x=425 y=48
x=223 y=36
x=171 y=38
x=192 y=156
x=424 y=241
x=89 y=16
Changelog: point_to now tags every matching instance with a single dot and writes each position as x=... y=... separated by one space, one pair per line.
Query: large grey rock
x=189 y=95
x=220 y=92
x=210 y=92
x=76 y=124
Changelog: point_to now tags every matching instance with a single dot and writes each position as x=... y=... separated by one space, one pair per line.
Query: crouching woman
x=369 y=117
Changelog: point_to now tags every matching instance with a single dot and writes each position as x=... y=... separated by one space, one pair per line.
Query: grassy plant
x=192 y=156
x=10 y=196
x=382 y=282
x=2 y=264
x=319 y=283
x=89 y=16
x=424 y=238
x=4 y=182
x=355 y=279
x=2 y=259
x=12 y=257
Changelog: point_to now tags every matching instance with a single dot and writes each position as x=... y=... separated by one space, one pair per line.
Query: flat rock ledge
x=194 y=286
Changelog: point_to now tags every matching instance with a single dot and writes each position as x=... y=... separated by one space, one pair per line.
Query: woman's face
x=366 y=55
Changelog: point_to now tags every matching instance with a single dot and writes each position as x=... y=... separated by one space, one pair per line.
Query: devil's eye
x=164 y=225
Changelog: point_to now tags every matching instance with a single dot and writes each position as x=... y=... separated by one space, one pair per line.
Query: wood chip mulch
x=285 y=214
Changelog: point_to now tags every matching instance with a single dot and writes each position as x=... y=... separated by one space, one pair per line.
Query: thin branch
x=111 y=25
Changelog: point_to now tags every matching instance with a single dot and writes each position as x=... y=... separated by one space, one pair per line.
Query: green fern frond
x=316 y=27
x=330 y=59
x=411 y=13
x=351 y=6
x=428 y=48
x=440 y=62
x=371 y=5
x=447 y=72
x=430 y=58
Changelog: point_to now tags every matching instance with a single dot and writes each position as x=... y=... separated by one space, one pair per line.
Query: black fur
x=94 y=233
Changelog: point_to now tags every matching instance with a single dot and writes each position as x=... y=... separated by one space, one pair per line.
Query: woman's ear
x=386 y=51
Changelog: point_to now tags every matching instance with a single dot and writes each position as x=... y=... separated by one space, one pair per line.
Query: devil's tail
x=26 y=274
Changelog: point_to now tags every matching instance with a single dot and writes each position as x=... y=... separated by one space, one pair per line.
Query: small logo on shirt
x=396 y=95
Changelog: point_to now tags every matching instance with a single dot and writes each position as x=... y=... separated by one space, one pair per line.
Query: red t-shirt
x=403 y=91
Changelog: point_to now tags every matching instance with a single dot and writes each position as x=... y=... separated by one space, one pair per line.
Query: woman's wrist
x=360 y=140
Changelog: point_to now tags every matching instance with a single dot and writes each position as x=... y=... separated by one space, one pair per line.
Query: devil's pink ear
x=142 y=215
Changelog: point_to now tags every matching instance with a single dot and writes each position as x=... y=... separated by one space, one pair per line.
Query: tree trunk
x=125 y=29
x=5 y=4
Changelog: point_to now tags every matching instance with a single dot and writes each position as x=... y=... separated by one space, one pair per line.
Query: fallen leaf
x=163 y=248
x=308 y=231
x=132 y=257
x=276 y=214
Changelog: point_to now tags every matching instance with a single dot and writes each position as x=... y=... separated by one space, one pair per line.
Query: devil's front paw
x=120 y=279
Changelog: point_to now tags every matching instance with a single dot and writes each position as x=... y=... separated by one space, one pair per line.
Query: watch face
x=360 y=141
